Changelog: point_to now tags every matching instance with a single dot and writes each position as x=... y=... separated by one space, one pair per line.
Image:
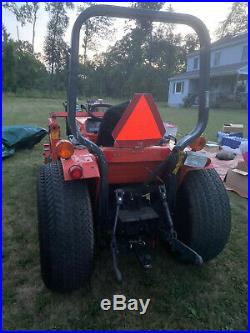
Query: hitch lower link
x=168 y=233
x=139 y=246
x=119 y=200
x=183 y=251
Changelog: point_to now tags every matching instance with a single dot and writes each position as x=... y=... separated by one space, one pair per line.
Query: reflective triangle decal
x=140 y=122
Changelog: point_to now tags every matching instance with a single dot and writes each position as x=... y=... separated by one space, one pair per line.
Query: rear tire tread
x=69 y=241
x=203 y=218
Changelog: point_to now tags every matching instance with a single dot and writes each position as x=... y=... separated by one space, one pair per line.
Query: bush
x=189 y=100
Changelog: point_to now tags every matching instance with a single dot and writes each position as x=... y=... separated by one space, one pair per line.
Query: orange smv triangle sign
x=141 y=122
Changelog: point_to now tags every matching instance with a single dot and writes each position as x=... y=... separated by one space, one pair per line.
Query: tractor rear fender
x=184 y=170
x=85 y=161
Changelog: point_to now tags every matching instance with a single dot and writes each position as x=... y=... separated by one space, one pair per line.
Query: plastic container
x=244 y=151
x=221 y=135
x=171 y=130
x=230 y=139
x=233 y=142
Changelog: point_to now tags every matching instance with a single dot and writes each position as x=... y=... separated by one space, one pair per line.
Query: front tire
x=66 y=234
x=203 y=217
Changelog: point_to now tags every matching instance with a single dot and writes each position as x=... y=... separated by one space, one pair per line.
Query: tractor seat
x=109 y=121
x=132 y=124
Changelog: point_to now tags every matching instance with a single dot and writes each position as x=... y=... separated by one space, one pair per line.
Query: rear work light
x=64 y=149
x=75 y=171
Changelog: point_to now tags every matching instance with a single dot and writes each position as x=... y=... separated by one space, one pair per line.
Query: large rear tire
x=203 y=217
x=65 y=225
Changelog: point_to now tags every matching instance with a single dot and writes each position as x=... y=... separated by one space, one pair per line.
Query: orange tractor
x=117 y=178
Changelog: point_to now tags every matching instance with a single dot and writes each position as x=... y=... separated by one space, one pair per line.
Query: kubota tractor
x=117 y=177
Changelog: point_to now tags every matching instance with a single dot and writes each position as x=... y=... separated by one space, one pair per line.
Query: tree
x=142 y=34
x=142 y=60
x=8 y=62
x=235 y=22
x=5 y=35
x=31 y=15
x=17 y=11
x=191 y=43
x=55 y=49
x=21 y=68
x=145 y=24
x=30 y=73
x=26 y=13
x=95 y=29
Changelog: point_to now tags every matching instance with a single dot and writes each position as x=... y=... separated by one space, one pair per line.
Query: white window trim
x=182 y=89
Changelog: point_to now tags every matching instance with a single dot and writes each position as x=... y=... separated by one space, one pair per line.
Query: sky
x=211 y=13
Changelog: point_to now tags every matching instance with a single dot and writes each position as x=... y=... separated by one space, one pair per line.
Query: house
x=228 y=74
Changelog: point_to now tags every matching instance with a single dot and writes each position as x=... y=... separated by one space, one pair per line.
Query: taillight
x=64 y=149
x=75 y=171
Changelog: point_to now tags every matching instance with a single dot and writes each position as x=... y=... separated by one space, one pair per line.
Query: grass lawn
x=211 y=297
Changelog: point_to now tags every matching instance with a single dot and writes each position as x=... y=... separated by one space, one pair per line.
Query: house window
x=217 y=58
x=244 y=55
x=196 y=63
x=178 y=87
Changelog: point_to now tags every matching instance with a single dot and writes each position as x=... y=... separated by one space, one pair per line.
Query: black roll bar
x=156 y=16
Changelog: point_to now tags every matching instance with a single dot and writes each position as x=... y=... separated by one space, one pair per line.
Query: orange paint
x=140 y=122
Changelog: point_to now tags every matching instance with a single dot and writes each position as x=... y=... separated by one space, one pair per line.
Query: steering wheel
x=91 y=109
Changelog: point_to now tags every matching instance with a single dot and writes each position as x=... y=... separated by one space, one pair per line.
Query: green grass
x=213 y=296
x=186 y=118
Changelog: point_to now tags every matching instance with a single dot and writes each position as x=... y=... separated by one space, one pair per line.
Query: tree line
x=142 y=60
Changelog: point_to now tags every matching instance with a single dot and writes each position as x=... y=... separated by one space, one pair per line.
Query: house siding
x=226 y=59
x=177 y=99
x=228 y=55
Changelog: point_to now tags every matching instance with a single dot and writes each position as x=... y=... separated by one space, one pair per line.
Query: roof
x=225 y=41
x=214 y=71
